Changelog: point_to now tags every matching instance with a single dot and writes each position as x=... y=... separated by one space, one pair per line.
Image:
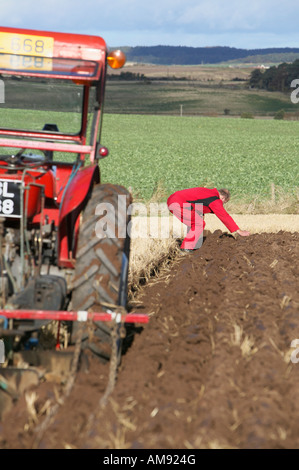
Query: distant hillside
x=268 y=59
x=182 y=55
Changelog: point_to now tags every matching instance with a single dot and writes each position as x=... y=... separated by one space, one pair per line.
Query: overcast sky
x=246 y=24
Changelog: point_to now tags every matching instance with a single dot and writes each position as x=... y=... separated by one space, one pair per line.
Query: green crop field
x=245 y=155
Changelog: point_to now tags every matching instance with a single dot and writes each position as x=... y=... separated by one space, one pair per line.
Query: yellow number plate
x=26 y=44
x=23 y=62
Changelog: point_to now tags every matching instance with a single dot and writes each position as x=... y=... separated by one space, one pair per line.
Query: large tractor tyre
x=102 y=262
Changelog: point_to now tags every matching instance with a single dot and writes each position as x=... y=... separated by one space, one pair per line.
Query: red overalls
x=190 y=205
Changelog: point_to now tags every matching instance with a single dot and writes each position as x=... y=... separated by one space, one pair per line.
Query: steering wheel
x=22 y=159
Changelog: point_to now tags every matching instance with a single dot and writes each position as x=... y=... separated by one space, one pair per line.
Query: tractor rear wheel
x=102 y=261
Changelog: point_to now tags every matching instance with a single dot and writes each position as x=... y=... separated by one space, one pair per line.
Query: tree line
x=276 y=78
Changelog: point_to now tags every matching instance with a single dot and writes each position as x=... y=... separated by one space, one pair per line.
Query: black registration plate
x=10 y=198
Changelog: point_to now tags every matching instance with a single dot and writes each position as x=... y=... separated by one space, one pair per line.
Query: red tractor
x=63 y=234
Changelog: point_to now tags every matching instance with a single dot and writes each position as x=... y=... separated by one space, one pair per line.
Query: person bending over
x=190 y=205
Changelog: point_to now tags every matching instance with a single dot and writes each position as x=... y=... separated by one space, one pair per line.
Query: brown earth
x=213 y=368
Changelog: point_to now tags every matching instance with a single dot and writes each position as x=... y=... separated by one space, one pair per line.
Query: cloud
x=219 y=16
x=133 y=21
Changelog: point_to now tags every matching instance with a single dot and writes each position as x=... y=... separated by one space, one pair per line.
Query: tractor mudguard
x=73 y=201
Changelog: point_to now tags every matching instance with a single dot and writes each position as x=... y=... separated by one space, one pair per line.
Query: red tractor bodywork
x=71 y=207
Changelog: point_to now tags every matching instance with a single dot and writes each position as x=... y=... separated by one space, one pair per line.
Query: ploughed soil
x=215 y=367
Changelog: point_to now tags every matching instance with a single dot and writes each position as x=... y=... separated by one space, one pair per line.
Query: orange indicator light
x=116 y=59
